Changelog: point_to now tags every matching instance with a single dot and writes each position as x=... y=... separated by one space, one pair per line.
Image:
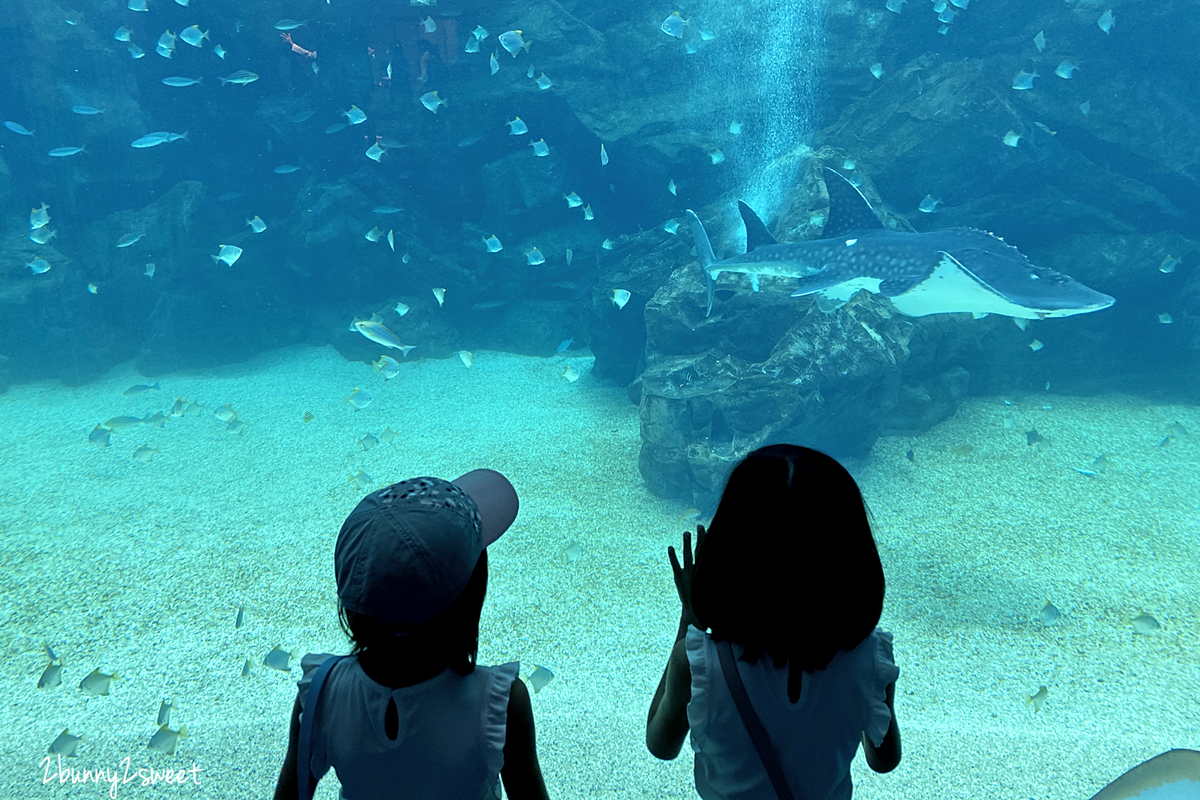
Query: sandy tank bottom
x=140 y=567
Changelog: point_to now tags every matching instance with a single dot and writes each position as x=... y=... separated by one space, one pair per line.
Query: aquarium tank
x=263 y=259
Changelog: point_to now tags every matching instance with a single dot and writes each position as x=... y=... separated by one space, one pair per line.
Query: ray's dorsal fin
x=849 y=211
x=757 y=234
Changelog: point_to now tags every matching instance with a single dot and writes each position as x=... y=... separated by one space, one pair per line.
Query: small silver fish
x=539 y=678
x=675 y=24
x=1050 y=614
x=493 y=244
x=241 y=616
x=1038 y=699
x=140 y=388
x=517 y=126
x=246 y=668
x=99 y=436
x=432 y=101
x=573 y=550
x=130 y=239
x=166 y=740
x=279 y=659
x=97 y=683
x=358 y=399
x=368 y=442
x=1144 y=624
x=540 y=148
x=66 y=745
x=144 y=453
x=51 y=676
x=513 y=43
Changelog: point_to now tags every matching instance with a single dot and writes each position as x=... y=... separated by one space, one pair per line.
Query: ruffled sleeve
x=309 y=665
x=696 y=645
x=495 y=715
x=879 y=718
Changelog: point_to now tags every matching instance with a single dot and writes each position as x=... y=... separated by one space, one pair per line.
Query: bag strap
x=758 y=734
x=312 y=701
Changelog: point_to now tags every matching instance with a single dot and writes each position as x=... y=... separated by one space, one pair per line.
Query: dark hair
x=450 y=637
x=789 y=568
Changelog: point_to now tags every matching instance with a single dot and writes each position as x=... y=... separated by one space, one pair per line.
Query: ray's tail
x=705 y=252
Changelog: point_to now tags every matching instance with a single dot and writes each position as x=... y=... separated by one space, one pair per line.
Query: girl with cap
x=409 y=714
x=778 y=671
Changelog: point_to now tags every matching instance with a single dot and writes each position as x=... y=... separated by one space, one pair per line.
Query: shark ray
x=954 y=270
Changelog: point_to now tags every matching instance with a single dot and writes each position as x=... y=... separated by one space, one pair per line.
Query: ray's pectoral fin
x=894 y=287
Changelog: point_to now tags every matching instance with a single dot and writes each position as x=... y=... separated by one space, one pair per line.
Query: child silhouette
x=788 y=582
x=409 y=714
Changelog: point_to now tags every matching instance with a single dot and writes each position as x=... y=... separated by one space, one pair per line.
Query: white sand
x=140 y=567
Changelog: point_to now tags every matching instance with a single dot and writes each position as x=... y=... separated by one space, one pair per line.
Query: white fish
x=137 y=5
x=167 y=40
x=431 y=100
x=401 y=308
x=391 y=241
x=86 y=111
x=603 y=155
x=540 y=148
x=894 y=5
x=180 y=82
x=93 y=288
x=587 y=213
x=166 y=740
x=285 y=169
x=17 y=127
x=929 y=205
x=1065 y=69
x=355 y=115
x=1085 y=107
x=429 y=25
x=529 y=72
x=480 y=33
x=492 y=243
x=472 y=45
x=608 y=244
x=377 y=332
x=42 y=235
x=228 y=255
x=149 y=271
x=39 y=265
x=157 y=138
x=573 y=200
x=493 y=64
x=534 y=257
x=256 y=224
x=39 y=217
x=130 y=239
x=240 y=78
x=122 y=34
x=373 y=235
x=375 y=152
x=466 y=357
x=543 y=82
x=517 y=126
x=62 y=152
x=735 y=128
x=672 y=188
x=1012 y=138
x=671 y=226
x=135 y=51
x=570 y=256
x=1106 y=21
x=220 y=51
x=288 y=25
x=674 y=25
x=512 y=42
x=440 y=295
x=165 y=52
x=1024 y=80
x=193 y=36
x=620 y=297
x=717 y=156
x=1039 y=41
x=877 y=70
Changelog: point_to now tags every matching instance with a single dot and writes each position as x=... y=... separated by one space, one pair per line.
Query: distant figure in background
x=788 y=581
x=409 y=714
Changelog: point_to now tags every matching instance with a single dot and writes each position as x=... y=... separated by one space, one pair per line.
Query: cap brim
x=495 y=497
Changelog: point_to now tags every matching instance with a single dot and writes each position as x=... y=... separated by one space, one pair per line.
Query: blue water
x=123 y=562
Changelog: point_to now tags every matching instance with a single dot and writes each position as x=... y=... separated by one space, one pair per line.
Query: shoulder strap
x=312 y=701
x=758 y=734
